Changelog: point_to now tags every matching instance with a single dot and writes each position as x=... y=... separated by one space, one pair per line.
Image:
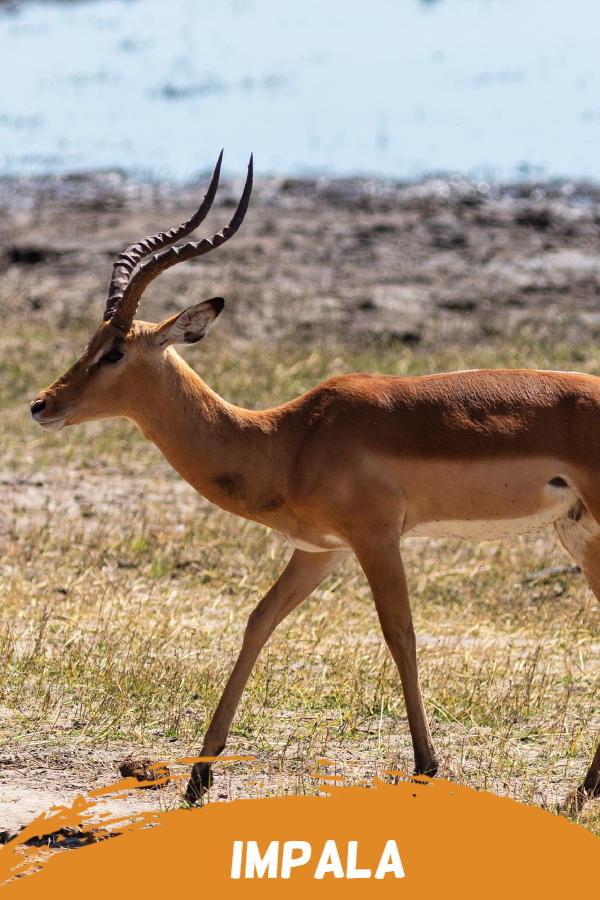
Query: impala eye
x=112 y=356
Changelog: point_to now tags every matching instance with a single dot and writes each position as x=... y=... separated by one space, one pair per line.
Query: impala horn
x=127 y=286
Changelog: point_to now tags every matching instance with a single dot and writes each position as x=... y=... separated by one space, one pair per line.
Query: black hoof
x=589 y=790
x=200 y=783
x=430 y=768
x=592 y=784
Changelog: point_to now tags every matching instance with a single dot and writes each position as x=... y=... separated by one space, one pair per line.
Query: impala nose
x=38 y=406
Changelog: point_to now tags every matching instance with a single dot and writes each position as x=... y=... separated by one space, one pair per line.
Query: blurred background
x=490 y=89
x=427 y=199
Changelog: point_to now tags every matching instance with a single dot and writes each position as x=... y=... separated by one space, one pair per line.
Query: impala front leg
x=302 y=575
x=379 y=556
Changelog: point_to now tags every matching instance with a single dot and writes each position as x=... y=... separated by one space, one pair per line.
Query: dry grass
x=123 y=599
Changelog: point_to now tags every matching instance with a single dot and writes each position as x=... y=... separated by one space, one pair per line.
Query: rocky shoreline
x=443 y=260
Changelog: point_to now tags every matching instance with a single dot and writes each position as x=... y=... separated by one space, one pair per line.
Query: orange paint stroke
x=77 y=814
x=190 y=760
x=453 y=842
x=328 y=777
x=127 y=784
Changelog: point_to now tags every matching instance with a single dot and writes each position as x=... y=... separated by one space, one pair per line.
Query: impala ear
x=189 y=326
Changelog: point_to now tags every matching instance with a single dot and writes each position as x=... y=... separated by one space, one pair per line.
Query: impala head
x=122 y=351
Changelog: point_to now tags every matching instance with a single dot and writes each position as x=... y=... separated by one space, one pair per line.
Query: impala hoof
x=200 y=783
x=429 y=768
x=589 y=790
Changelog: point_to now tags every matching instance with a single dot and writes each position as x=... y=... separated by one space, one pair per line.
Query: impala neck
x=220 y=449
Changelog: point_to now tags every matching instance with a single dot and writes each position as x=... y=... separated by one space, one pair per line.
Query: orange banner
x=412 y=839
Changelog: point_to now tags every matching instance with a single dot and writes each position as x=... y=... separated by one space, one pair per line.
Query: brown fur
x=351 y=466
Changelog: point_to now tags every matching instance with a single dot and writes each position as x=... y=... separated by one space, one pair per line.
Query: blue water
x=493 y=89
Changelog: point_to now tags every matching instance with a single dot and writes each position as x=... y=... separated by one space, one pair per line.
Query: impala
x=352 y=466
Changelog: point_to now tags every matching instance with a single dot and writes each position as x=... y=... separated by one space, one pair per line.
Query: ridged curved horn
x=134 y=253
x=125 y=311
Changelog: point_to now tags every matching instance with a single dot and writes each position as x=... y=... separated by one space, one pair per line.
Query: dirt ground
x=433 y=264
x=47 y=767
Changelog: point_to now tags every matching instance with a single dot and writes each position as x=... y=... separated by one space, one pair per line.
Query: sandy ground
x=436 y=263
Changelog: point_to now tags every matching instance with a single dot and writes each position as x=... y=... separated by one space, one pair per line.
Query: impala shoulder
x=346 y=393
x=360 y=386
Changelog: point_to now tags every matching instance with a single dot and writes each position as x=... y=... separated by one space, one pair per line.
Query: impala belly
x=326 y=542
x=489 y=529
x=486 y=500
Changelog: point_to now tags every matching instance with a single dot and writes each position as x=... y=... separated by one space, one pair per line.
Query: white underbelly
x=493 y=529
x=330 y=542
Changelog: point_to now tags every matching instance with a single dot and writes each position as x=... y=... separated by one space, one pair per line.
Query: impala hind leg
x=579 y=533
x=302 y=575
x=382 y=564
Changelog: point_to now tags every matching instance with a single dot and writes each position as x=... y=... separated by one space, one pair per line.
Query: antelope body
x=353 y=465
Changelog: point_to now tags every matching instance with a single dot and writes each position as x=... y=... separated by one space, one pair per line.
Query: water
x=492 y=89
